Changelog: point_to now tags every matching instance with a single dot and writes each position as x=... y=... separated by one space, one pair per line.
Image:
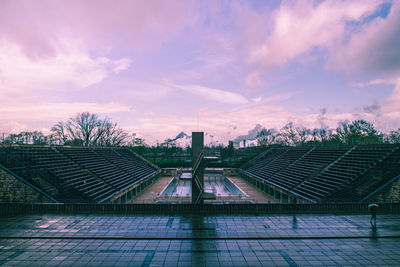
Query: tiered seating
x=344 y=171
x=126 y=161
x=275 y=161
x=18 y=161
x=77 y=173
x=268 y=156
x=326 y=173
x=99 y=166
x=133 y=158
x=70 y=175
x=315 y=160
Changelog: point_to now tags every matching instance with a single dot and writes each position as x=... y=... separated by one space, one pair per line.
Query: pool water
x=219 y=185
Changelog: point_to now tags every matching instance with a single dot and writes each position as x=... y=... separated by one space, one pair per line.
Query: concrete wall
x=389 y=194
x=230 y=171
x=227 y=171
x=169 y=171
x=15 y=191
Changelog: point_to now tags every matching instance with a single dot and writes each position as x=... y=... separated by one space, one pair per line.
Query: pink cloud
x=225 y=126
x=53 y=112
x=13 y=127
x=300 y=26
x=40 y=26
x=213 y=94
x=73 y=68
x=68 y=45
x=375 y=82
x=372 y=51
x=253 y=80
x=391 y=107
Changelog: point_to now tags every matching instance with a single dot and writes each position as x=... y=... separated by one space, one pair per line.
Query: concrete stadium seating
x=77 y=173
x=323 y=173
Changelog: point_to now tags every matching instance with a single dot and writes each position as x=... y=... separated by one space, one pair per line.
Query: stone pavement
x=151 y=193
x=223 y=240
x=254 y=193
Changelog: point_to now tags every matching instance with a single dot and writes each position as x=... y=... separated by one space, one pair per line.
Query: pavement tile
x=292 y=244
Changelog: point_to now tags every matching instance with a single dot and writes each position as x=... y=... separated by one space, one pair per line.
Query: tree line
x=86 y=129
x=358 y=132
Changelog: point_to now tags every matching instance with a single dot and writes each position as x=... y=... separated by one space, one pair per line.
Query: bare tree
x=89 y=130
x=59 y=131
x=108 y=134
x=83 y=127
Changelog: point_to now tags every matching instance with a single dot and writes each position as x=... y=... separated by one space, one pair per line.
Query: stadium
x=61 y=174
x=104 y=206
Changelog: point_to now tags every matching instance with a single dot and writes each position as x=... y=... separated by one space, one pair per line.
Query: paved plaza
x=223 y=240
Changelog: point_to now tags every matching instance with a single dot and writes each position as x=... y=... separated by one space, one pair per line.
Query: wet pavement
x=224 y=240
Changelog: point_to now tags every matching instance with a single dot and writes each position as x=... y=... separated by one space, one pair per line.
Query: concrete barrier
x=7 y=209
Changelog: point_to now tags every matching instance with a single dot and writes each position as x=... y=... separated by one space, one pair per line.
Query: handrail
x=380 y=188
x=198 y=161
x=195 y=178
x=197 y=181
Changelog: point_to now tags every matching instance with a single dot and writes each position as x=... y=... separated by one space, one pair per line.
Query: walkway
x=152 y=192
x=145 y=240
x=253 y=192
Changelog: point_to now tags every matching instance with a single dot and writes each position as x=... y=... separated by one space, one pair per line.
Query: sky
x=158 y=68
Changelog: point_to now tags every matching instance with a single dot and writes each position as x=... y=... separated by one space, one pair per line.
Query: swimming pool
x=219 y=185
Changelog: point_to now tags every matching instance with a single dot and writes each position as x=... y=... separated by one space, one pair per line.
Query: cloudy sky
x=161 y=67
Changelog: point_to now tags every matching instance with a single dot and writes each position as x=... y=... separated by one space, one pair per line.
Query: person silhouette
x=294 y=202
x=373 y=209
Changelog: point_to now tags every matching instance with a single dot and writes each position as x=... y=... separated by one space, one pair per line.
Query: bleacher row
x=316 y=173
x=77 y=173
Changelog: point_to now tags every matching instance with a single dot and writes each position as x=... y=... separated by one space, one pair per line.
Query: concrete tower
x=198 y=170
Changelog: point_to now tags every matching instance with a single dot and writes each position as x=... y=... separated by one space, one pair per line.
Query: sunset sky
x=161 y=67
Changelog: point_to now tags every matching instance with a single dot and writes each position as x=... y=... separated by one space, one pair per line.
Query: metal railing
x=204 y=209
x=196 y=179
